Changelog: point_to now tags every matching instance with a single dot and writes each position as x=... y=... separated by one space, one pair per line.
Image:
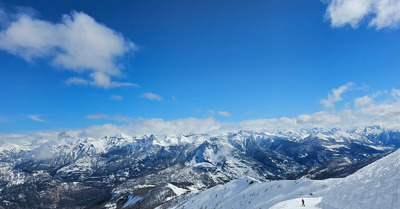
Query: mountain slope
x=374 y=186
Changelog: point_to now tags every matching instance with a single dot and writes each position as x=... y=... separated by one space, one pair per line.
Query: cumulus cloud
x=365 y=112
x=36 y=118
x=335 y=96
x=26 y=139
x=383 y=112
x=225 y=113
x=152 y=96
x=186 y=125
x=100 y=131
x=116 y=97
x=362 y=101
x=379 y=13
x=78 y=43
x=96 y=116
x=140 y=127
x=43 y=152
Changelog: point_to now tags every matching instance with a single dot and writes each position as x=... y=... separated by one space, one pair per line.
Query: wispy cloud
x=77 y=43
x=122 y=118
x=225 y=113
x=174 y=99
x=97 y=116
x=36 y=118
x=379 y=13
x=152 y=96
x=335 y=96
x=77 y=81
x=395 y=93
x=249 y=113
x=116 y=97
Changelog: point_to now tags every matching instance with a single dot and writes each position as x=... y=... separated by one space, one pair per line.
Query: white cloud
x=396 y=93
x=268 y=124
x=122 y=118
x=96 y=116
x=14 y=139
x=152 y=96
x=366 y=112
x=335 y=96
x=186 y=125
x=379 y=13
x=100 y=131
x=382 y=112
x=318 y=119
x=225 y=113
x=77 y=81
x=116 y=97
x=43 y=152
x=78 y=43
x=36 y=118
x=362 y=101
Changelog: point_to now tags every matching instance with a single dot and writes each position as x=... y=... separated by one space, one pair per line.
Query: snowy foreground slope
x=374 y=186
x=241 y=194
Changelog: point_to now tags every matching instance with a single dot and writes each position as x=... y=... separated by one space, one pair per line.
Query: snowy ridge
x=248 y=194
x=374 y=186
x=63 y=140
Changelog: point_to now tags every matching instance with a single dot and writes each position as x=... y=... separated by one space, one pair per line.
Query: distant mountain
x=374 y=186
x=151 y=171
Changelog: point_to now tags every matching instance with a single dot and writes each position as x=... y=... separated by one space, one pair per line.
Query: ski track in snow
x=310 y=203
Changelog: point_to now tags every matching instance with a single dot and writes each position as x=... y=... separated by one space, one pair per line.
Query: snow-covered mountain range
x=150 y=171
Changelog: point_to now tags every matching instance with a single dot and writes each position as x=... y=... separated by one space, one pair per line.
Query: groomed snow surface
x=248 y=193
x=310 y=203
x=375 y=186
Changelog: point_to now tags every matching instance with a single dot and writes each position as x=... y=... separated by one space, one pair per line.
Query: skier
x=302 y=203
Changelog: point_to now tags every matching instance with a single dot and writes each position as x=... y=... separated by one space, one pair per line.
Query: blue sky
x=74 y=64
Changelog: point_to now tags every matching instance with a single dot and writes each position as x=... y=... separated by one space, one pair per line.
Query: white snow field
x=240 y=194
x=374 y=186
x=310 y=203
